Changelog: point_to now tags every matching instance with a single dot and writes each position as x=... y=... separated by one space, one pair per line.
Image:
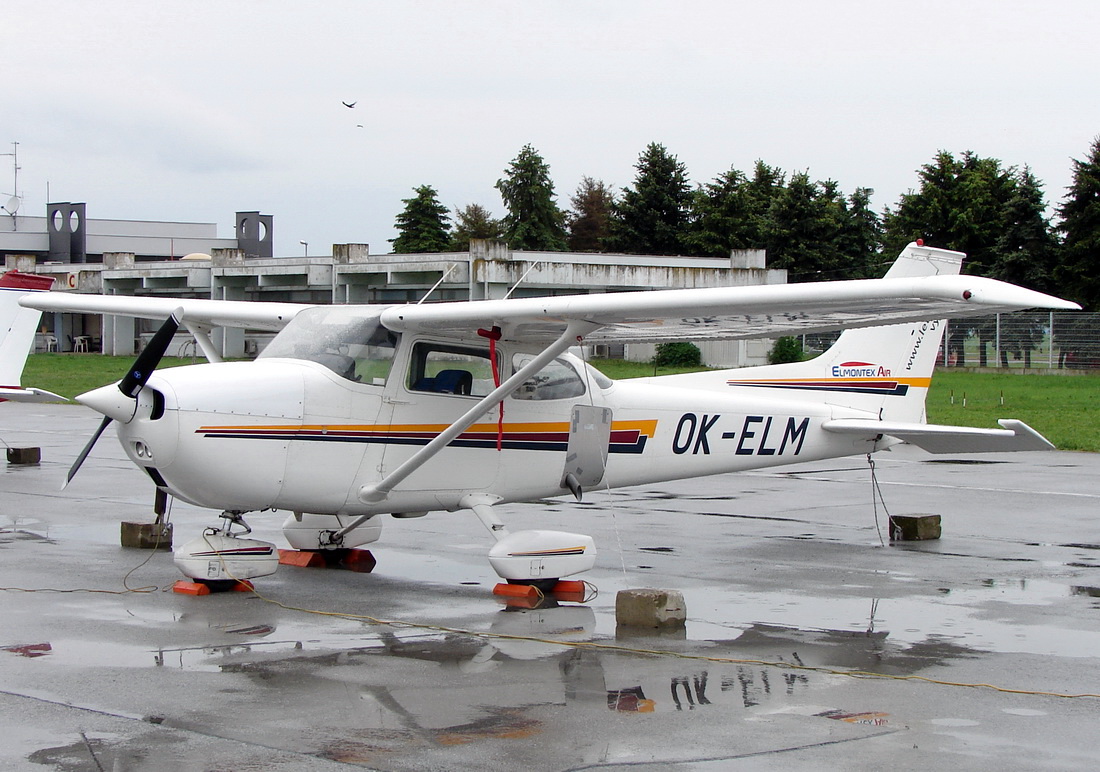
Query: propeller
x=121 y=403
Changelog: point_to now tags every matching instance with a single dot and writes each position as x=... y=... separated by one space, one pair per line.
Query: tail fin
x=882 y=370
x=17 y=328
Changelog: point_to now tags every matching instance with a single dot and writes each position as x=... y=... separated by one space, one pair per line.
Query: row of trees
x=996 y=214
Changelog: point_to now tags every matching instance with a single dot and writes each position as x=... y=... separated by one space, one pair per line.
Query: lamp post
x=306 y=245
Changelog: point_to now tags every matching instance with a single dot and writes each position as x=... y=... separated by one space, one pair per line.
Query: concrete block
x=914 y=527
x=26 y=456
x=147 y=536
x=649 y=608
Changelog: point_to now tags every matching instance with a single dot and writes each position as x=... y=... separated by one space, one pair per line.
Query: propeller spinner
x=118 y=402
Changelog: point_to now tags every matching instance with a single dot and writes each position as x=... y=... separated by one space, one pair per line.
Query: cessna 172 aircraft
x=353 y=412
x=17 y=329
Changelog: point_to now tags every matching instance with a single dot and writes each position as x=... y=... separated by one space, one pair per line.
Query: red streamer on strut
x=494 y=335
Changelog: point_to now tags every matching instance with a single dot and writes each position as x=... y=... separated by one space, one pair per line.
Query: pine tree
x=723 y=217
x=589 y=220
x=474 y=222
x=803 y=230
x=1079 y=272
x=534 y=221
x=1026 y=251
x=961 y=205
x=652 y=217
x=423 y=225
x=861 y=237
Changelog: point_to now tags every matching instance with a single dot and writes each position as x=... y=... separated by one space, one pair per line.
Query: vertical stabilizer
x=882 y=370
x=17 y=328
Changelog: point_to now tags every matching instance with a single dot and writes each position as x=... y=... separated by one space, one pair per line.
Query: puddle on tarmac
x=920 y=626
x=523 y=685
x=23 y=529
x=993 y=617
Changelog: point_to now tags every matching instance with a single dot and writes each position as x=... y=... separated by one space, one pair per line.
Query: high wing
x=728 y=313
x=258 y=315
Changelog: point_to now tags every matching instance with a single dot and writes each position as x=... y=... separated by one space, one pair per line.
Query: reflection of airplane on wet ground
x=505 y=685
x=357 y=411
x=18 y=326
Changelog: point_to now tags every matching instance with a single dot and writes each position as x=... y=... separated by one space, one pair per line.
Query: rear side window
x=555 y=381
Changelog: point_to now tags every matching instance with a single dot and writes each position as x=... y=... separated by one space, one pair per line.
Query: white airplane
x=17 y=328
x=353 y=412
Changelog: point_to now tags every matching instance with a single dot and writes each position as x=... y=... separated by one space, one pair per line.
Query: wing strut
x=574 y=331
x=202 y=337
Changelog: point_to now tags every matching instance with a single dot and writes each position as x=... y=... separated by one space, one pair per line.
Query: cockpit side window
x=555 y=381
x=345 y=339
x=444 y=369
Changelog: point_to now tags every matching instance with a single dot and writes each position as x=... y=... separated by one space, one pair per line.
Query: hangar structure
x=188 y=260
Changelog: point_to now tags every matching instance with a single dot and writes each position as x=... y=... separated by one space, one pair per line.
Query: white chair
x=51 y=343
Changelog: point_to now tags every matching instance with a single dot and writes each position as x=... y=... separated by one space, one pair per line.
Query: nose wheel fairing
x=219 y=555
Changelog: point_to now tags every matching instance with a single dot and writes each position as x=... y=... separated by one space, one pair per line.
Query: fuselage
x=305 y=434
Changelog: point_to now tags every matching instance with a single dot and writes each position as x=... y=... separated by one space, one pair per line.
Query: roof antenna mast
x=12 y=205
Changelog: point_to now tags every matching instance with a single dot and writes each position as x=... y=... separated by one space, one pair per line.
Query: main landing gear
x=330 y=541
x=533 y=562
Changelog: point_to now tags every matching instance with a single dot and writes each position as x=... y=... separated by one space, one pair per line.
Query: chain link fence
x=1024 y=340
x=1029 y=340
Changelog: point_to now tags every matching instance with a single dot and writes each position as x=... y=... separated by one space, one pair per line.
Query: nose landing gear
x=221 y=559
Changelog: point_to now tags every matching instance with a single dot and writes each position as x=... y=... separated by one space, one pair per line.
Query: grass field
x=1065 y=409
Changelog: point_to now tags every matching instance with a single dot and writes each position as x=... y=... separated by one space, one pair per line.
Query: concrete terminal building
x=175 y=259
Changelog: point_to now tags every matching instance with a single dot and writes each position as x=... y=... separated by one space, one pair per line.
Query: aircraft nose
x=109 y=401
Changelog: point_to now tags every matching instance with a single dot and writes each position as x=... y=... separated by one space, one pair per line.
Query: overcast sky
x=193 y=111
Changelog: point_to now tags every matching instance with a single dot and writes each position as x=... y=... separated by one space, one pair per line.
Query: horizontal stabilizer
x=1016 y=435
x=16 y=394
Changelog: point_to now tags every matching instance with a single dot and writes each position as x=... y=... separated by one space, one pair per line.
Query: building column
x=229 y=341
x=118 y=335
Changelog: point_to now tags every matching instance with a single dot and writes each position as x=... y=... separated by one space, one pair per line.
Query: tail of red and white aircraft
x=17 y=328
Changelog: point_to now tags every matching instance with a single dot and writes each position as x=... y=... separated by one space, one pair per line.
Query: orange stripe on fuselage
x=647 y=428
x=917 y=383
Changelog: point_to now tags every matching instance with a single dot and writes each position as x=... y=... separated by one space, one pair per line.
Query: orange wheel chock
x=185 y=587
x=516 y=590
x=361 y=561
x=301 y=558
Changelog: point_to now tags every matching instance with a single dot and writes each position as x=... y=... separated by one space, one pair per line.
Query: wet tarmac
x=810 y=643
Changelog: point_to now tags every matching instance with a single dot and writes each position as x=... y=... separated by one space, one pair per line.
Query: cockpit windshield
x=349 y=340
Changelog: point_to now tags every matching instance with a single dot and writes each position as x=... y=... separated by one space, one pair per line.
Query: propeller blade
x=150 y=356
x=133 y=382
x=87 y=449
